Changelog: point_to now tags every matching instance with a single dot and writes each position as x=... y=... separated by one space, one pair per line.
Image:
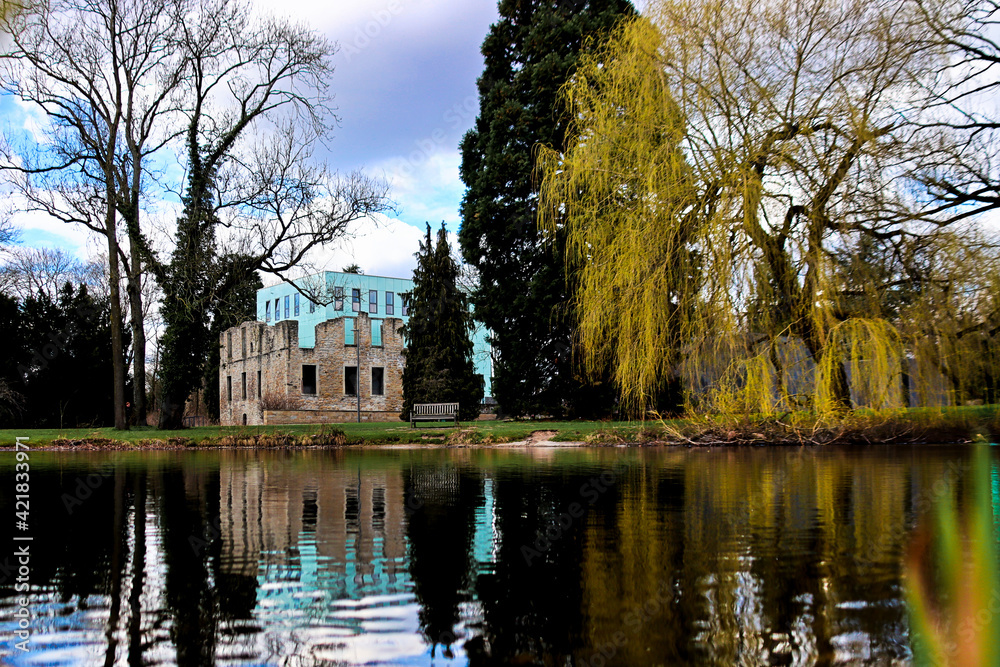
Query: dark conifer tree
x=12 y=342
x=189 y=283
x=522 y=295
x=439 y=366
x=58 y=362
x=238 y=305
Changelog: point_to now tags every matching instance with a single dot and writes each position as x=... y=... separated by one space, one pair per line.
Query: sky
x=405 y=92
x=404 y=87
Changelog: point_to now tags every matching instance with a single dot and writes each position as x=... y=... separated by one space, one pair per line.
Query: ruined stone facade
x=266 y=378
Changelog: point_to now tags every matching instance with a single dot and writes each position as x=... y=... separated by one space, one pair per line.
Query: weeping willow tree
x=725 y=191
x=628 y=197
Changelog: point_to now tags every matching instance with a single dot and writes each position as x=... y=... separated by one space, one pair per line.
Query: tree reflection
x=440 y=530
x=769 y=556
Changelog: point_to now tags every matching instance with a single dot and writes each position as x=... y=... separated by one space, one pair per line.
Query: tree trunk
x=138 y=338
x=171 y=411
x=117 y=345
x=840 y=389
x=136 y=250
x=110 y=228
x=904 y=365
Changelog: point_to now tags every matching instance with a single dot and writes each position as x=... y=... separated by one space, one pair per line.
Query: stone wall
x=270 y=362
x=327 y=416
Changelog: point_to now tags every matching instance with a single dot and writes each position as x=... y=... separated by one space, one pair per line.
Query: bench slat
x=433 y=412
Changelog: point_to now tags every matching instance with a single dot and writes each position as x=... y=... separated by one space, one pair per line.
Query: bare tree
x=104 y=74
x=58 y=63
x=29 y=271
x=960 y=170
x=8 y=233
x=256 y=105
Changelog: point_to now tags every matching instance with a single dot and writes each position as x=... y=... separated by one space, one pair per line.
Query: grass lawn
x=363 y=433
x=959 y=424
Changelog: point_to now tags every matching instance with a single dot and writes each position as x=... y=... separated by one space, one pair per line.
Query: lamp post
x=357 y=377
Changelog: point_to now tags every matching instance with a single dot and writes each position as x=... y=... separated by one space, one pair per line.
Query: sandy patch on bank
x=538 y=439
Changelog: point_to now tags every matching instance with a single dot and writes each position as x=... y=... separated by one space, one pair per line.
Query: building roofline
x=341 y=273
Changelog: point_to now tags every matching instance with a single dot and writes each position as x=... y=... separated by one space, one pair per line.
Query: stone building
x=298 y=363
x=267 y=378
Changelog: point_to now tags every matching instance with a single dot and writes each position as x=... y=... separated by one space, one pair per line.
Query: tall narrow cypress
x=439 y=365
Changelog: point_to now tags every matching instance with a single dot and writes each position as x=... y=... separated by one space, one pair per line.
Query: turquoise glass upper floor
x=338 y=294
x=335 y=295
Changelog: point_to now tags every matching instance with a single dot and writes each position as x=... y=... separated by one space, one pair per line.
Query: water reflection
x=478 y=557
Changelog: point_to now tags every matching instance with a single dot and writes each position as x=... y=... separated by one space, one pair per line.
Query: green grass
x=980 y=423
x=363 y=433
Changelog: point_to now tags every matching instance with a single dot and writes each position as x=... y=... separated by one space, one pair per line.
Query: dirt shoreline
x=539 y=439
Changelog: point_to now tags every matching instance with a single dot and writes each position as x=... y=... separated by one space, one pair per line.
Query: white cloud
x=386 y=247
x=39 y=230
x=382 y=247
x=425 y=184
x=24 y=122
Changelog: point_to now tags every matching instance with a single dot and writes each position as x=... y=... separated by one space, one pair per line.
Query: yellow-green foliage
x=726 y=210
x=624 y=190
x=953 y=580
x=9 y=9
x=872 y=352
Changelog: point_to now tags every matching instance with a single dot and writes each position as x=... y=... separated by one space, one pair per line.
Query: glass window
x=351 y=380
x=338 y=298
x=287 y=300
x=312 y=306
x=308 y=378
x=267 y=311
x=378 y=384
x=372 y=301
x=406 y=305
x=296 y=305
x=376 y=333
x=349 y=331
x=356 y=300
x=390 y=303
x=277 y=309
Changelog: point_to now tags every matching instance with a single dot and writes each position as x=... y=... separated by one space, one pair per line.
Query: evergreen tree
x=189 y=283
x=238 y=306
x=12 y=341
x=439 y=366
x=522 y=295
x=57 y=362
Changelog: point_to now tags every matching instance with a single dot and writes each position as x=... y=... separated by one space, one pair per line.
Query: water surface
x=481 y=557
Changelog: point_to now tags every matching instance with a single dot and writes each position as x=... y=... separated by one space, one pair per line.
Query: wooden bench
x=426 y=412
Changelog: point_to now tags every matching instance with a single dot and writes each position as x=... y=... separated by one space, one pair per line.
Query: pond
x=551 y=556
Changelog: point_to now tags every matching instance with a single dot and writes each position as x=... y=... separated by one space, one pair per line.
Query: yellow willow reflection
x=740 y=557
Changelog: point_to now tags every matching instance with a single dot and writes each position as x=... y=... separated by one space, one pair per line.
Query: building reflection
x=720 y=557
